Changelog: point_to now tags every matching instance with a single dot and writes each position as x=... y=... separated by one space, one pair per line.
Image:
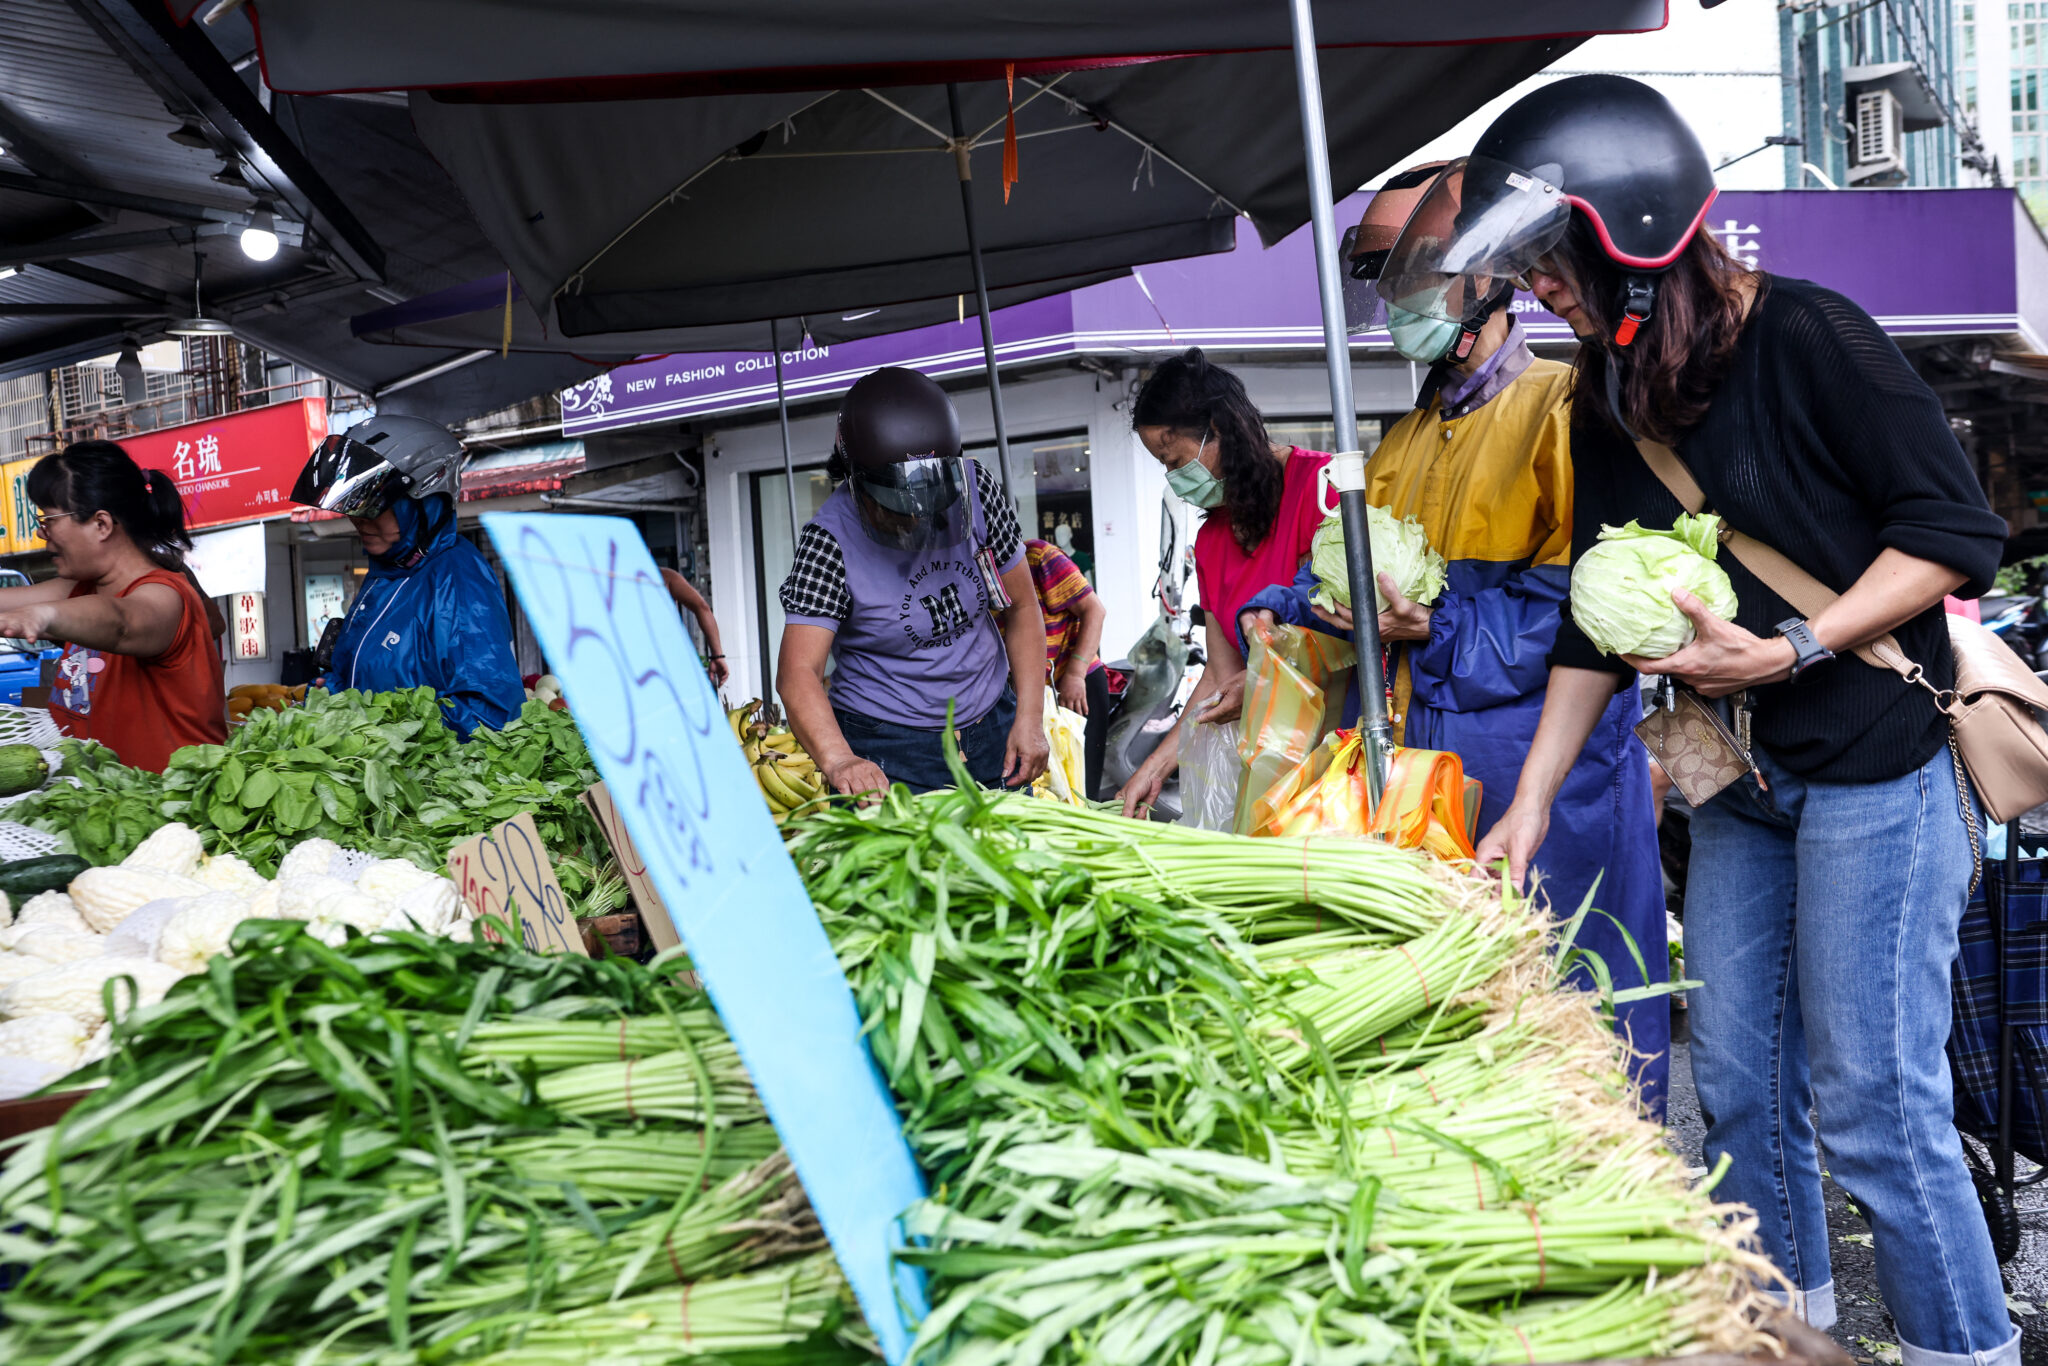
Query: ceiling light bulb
x=7 y=271
x=259 y=239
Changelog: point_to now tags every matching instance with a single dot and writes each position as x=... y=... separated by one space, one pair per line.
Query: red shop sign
x=238 y=467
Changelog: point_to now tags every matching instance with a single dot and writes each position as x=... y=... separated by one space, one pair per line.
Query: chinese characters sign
x=238 y=467
x=251 y=642
x=18 y=531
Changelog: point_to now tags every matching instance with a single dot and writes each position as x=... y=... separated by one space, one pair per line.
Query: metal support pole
x=2001 y=1155
x=1348 y=470
x=782 y=417
x=988 y=330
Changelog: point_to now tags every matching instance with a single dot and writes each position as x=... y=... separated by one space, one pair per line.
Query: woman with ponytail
x=1196 y=419
x=141 y=673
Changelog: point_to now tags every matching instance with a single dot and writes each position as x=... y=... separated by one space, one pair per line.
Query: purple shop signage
x=1920 y=261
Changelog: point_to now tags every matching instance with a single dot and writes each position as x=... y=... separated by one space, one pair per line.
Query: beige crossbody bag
x=1994 y=731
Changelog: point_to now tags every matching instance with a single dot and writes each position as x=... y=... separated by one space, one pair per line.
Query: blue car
x=21 y=661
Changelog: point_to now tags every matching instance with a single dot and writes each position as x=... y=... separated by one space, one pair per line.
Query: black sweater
x=1824 y=444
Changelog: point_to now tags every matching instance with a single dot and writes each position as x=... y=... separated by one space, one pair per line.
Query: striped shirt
x=1062 y=588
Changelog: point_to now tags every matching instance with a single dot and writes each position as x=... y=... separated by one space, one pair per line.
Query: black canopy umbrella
x=691 y=163
x=491 y=314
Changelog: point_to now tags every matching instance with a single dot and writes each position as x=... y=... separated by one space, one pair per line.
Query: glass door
x=774 y=552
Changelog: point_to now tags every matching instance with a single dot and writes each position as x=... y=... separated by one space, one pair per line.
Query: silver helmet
x=362 y=471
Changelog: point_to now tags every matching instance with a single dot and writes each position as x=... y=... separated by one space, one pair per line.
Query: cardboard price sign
x=661 y=926
x=505 y=872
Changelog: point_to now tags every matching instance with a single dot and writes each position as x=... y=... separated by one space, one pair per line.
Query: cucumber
x=29 y=876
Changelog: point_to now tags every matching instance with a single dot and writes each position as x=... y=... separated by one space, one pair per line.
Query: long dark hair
x=88 y=477
x=1669 y=374
x=1187 y=395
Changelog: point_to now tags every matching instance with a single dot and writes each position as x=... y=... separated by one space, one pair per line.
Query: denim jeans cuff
x=1816 y=1306
x=2006 y=1355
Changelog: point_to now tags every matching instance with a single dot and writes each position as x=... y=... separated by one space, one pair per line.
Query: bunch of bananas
x=788 y=777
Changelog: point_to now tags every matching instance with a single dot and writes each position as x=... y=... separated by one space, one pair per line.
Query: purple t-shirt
x=912 y=630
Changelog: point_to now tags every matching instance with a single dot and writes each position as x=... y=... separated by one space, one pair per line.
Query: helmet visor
x=348 y=477
x=1480 y=226
x=1361 y=261
x=913 y=505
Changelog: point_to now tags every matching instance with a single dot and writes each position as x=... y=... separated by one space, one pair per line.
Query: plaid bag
x=1975 y=985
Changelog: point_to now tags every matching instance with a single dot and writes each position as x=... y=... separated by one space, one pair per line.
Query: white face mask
x=1194 y=482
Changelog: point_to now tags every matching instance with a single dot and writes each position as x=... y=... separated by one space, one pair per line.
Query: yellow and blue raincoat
x=1489 y=477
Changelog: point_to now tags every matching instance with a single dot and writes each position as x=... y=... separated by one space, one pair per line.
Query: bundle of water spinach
x=1189 y=1098
x=412 y=1150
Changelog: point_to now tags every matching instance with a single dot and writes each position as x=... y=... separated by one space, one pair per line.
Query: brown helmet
x=1366 y=246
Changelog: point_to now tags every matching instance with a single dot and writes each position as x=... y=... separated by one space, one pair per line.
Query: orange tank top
x=143 y=709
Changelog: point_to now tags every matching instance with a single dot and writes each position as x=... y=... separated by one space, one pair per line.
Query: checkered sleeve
x=816 y=586
x=999 y=516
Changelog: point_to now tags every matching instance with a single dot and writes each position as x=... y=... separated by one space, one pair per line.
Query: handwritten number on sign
x=611 y=644
x=537 y=897
x=491 y=855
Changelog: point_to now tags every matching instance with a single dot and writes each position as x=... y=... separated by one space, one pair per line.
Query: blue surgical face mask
x=1193 y=481
x=1422 y=340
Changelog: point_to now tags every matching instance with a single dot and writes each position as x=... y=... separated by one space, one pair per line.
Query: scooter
x=1155 y=677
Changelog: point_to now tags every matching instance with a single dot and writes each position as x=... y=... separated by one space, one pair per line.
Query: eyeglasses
x=43 y=520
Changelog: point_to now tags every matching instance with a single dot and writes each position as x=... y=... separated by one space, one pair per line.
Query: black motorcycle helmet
x=898 y=442
x=1625 y=159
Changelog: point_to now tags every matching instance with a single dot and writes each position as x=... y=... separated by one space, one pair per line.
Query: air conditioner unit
x=1878 y=138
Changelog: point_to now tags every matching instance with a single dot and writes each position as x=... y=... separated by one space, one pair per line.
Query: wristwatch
x=1807 y=651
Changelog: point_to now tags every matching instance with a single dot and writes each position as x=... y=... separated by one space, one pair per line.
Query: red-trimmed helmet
x=1623 y=157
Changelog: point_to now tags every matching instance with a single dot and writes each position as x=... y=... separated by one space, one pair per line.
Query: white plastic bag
x=1210 y=774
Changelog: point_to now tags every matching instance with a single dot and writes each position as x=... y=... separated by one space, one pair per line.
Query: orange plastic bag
x=1295 y=683
x=1428 y=803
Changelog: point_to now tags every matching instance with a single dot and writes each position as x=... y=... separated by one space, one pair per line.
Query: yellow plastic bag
x=1065 y=776
x=1295 y=683
x=1325 y=794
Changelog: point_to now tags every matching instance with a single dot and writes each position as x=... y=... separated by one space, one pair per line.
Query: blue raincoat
x=431 y=612
x=1491 y=482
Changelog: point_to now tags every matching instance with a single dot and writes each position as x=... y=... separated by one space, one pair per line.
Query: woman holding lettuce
x=1483 y=464
x=1826 y=890
x=1262 y=508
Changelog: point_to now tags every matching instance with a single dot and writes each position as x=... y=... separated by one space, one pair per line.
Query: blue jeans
x=911 y=755
x=1822 y=919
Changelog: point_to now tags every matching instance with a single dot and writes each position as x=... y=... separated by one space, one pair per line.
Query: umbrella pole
x=988 y=331
x=788 y=459
x=1347 y=470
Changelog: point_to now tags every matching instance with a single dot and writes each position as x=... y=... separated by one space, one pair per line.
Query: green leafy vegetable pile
x=1186 y=1097
x=106 y=812
x=409 y=1151
x=377 y=772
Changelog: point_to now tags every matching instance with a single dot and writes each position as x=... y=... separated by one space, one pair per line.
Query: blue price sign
x=655 y=730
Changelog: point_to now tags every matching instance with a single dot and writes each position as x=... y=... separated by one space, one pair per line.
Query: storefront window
x=1312 y=435
x=1054 y=504
x=774 y=551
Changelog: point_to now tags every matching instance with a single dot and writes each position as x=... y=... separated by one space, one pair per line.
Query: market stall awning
x=627 y=49
x=476 y=315
x=132 y=145
x=636 y=214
